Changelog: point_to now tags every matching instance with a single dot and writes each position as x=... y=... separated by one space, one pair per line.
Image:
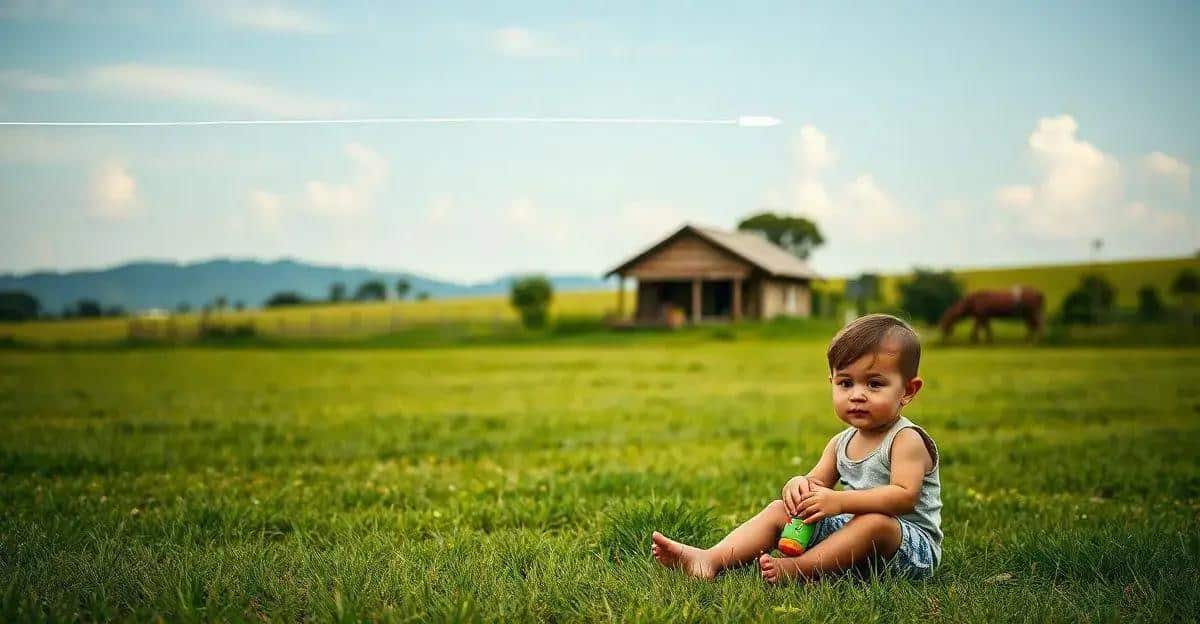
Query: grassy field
x=521 y=483
x=1055 y=281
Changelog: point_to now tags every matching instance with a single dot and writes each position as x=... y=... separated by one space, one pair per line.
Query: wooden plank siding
x=687 y=258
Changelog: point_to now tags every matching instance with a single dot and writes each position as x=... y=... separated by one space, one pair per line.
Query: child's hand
x=794 y=492
x=821 y=502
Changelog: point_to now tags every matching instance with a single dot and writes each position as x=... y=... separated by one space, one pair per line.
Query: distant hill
x=144 y=285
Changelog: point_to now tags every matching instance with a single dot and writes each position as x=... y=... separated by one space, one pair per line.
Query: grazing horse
x=1020 y=302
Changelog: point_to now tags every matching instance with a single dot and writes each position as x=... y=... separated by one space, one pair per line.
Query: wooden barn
x=700 y=274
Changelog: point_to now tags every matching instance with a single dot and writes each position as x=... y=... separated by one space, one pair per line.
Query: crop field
x=522 y=482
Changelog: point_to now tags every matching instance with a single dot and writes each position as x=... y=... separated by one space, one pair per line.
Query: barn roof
x=748 y=246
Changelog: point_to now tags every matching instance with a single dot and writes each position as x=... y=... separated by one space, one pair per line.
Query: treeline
x=18 y=305
x=370 y=290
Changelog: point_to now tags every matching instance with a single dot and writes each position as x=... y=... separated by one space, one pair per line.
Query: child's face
x=869 y=393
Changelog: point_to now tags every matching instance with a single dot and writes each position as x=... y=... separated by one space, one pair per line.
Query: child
x=890 y=505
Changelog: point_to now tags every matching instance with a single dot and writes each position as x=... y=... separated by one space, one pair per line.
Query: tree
x=183 y=307
x=929 y=294
x=18 y=305
x=796 y=234
x=1150 y=305
x=1090 y=302
x=337 y=292
x=402 y=288
x=531 y=296
x=87 y=308
x=239 y=305
x=221 y=302
x=286 y=298
x=371 y=290
x=1186 y=286
x=422 y=295
x=114 y=310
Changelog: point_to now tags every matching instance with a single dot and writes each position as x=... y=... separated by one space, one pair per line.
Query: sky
x=936 y=135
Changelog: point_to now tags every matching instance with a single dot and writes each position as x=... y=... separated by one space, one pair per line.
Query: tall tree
x=337 y=292
x=796 y=234
x=402 y=288
x=18 y=305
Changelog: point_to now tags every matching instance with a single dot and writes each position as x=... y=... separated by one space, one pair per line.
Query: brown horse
x=1020 y=302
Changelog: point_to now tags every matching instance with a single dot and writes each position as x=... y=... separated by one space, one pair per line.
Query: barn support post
x=737 y=299
x=696 y=302
x=620 y=297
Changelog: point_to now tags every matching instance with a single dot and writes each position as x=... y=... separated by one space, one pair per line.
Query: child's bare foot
x=690 y=559
x=778 y=569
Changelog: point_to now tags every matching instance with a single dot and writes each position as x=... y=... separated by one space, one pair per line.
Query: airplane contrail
x=745 y=121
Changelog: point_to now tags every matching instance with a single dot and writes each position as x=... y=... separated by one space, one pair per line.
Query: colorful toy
x=795 y=537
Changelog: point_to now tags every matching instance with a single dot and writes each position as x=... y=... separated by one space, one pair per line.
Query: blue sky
x=943 y=135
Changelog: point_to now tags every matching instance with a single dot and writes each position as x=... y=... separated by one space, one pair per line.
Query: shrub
x=531 y=296
x=1150 y=305
x=929 y=294
x=371 y=290
x=863 y=291
x=1090 y=302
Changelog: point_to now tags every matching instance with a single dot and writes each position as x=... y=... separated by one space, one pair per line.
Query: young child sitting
x=890 y=504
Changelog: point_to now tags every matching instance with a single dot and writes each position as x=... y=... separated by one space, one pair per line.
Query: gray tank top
x=874 y=470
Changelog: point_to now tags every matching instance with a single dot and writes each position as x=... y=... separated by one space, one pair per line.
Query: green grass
x=521 y=482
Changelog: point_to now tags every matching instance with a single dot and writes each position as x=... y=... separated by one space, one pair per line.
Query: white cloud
x=812 y=200
x=857 y=212
x=874 y=212
x=521 y=211
x=25 y=80
x=1077 y=174
x=113 y=192
x=440 y=209
x=523 y=214
x=207 y=86
x=355 y=196
x=1078 y=183
x=1175 y=173
x=1080 y=191
x=266 y=208
x=524 y=43
x=813 y=152
x=1015 y=196
x=270 y=17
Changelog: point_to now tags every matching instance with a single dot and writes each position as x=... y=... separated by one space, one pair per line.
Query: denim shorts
x=914 y=559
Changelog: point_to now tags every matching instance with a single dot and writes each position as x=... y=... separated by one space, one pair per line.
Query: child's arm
x=825 y=474
x=910 y=461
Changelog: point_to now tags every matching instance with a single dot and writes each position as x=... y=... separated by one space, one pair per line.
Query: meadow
x=522 y=482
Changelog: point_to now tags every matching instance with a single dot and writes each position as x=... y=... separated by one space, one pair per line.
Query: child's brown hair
x=864 y=335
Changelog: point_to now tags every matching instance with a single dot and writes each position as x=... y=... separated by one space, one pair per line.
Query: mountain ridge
x=145 y=284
